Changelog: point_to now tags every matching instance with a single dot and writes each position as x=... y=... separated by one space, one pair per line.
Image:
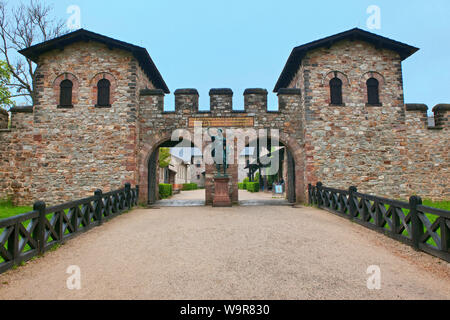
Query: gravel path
x=238 y=253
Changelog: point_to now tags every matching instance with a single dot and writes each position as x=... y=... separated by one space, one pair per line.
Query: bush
x=241 y=186
x=246 y=180
x=253 y=186
x=165 y=190
x=189 y=186
x=272 y=179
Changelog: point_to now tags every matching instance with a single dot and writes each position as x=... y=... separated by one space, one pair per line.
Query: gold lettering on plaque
x=223 y=122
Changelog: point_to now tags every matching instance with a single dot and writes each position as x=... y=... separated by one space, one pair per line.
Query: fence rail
x=27 y=235
x=422 y=227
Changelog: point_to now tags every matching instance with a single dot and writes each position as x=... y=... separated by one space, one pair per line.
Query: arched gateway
x=168 y=129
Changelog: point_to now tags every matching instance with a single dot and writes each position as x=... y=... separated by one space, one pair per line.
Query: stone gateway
x=99 y=121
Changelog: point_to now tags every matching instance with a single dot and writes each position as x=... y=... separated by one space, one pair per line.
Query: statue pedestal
x=221 y=192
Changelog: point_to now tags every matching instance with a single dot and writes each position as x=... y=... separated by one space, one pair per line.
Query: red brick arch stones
x=76 y=85
x=346 y=85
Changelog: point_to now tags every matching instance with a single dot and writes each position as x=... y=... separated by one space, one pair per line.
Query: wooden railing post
x=40 y=228
x=351 y=201
x=445 y=234
x=319 y=194
x=99 y=210
x=416 y=223
x=128 y=195
x=378 y=215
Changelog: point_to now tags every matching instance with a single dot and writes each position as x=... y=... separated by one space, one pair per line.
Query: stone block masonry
x=17 y=157
x=428 y=157
x=156 y=127
x=59 y=153
x=74 y=151
x=383 y=149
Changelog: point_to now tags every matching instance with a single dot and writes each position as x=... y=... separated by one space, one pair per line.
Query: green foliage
x=7 y=209
x=272 y=179
x=246 y=180
x=189 y=186
x=5 y=78
x=253 y=186
x=164 y=157
x=257 y=177
x=444 y=205
x=241 y=186
x=55 y=247
x=165 y=190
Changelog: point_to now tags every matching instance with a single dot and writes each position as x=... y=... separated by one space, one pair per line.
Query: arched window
x=373 y=94
x=336 y=91
x=65 y=93
x=103 y=93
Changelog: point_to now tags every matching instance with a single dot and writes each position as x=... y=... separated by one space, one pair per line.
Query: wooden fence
x=422 y=227
x=30 y=234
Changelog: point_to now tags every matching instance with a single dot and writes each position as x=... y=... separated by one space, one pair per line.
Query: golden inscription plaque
x=223 y=122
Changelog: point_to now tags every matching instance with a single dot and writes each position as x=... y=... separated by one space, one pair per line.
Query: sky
x=245 y=44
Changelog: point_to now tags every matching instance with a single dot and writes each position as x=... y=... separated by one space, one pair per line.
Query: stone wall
x=79 y=149
x=354 y=144
x=17 y=157
x=428 y=170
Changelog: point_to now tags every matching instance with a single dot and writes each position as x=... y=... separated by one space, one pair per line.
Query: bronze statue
x=219 y=145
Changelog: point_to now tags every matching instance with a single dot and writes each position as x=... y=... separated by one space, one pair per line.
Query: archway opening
x=267 y=173
x=176 y=175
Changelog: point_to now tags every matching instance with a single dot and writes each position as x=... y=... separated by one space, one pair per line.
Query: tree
x=22 y=26
x=5 y=95
x=164 y=157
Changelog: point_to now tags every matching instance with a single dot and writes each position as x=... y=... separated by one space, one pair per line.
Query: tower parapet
x=289 y=99
x=255 y=100
x=22 y=117
x=221 y=101
x=442 y=115
x=186 y=100
x=152 y=100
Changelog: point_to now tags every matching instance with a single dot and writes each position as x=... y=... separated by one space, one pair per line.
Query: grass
x=7 y=209
x=444 y=205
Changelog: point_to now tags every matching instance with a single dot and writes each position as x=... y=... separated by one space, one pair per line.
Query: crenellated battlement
x=186 y=100
x=221 y=101
x=4 y=119
x=442 y=115
x=419 y=113
x=22 y=117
